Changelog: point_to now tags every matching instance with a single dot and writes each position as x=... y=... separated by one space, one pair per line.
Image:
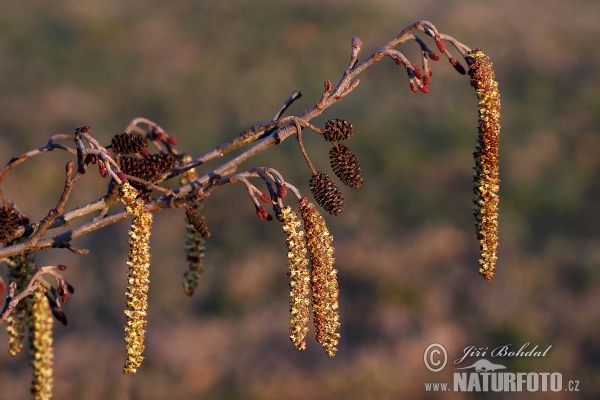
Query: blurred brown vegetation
x=405 y=246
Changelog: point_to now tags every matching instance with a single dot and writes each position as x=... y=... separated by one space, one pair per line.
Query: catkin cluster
x=486 y=181
x=321 y=281
x=138 y=275
x=323 y=278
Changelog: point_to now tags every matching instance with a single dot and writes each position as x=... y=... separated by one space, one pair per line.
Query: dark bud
x=56 y=292
x=198 y=222
x=61 y=267
x=345 y=166
x=338 y=130
x=326 y=193
x=52 y=300
x=60 y=315
x=127 y=143
x=70 y=288
x=458 y=66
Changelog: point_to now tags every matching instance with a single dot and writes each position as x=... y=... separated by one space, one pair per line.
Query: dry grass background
x=405 y=246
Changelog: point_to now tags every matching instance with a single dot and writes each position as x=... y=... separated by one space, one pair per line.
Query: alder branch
x=264 y=135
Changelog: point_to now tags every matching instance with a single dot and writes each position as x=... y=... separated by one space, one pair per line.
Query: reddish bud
x=65 y=298
x=282 y=191
x=261 y=212
x=159 y=136
x=2 y=287
x=441 y=46
x=433 y=56
x=424 y=89
x=417 y=71
x=413 y=87
x=171 y=140
x=122 y=177
x=426 y=80
x=61 y=267
x=145 y=153
x=264 y=198
x=102 y=168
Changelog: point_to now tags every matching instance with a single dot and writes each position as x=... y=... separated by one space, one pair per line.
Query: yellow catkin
x=299 y=276
x=21 y=269
x=137 y=277
x=486 y=177
x=41 y=351
x=323 y=278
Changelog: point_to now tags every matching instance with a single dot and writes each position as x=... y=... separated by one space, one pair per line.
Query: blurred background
x=405 y=246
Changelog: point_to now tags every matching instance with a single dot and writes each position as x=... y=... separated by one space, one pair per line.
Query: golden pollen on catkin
x=486 y=176
x=323 y=278
x=299 y=276
x=41 y=351
x=138 y=275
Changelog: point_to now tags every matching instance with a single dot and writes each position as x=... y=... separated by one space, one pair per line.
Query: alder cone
x=9 y=223
x=345 y=166
x=128 y=143
x=338 y=130
x=326 y=193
